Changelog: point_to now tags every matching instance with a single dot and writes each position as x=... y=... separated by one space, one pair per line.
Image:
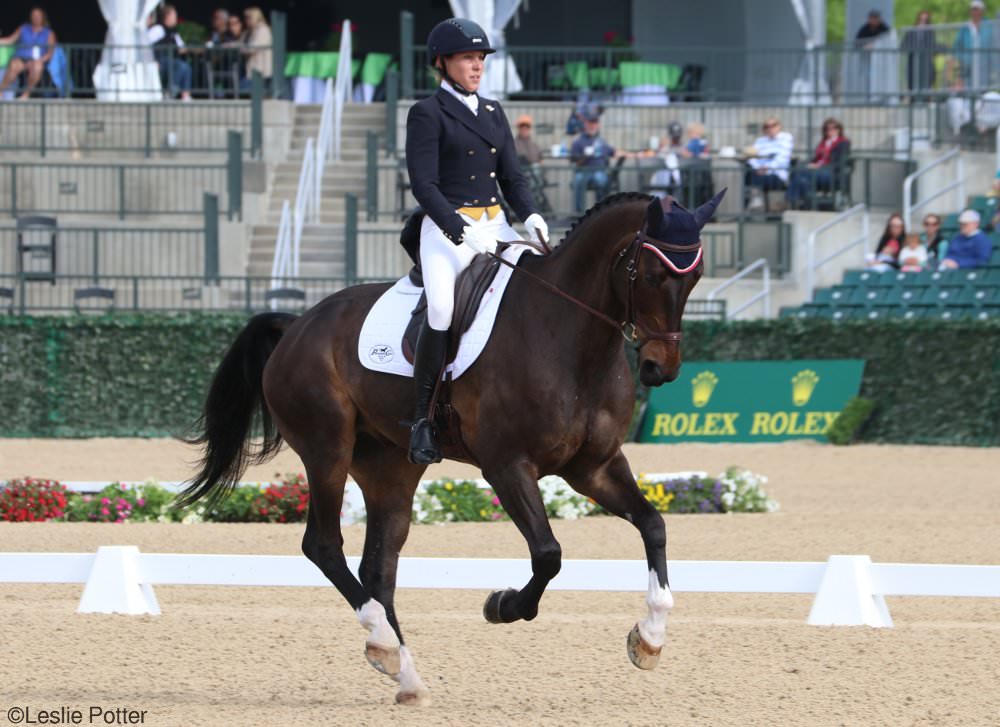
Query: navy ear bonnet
x=669 y=223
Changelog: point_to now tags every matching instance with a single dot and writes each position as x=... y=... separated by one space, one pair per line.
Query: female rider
x=459 y=147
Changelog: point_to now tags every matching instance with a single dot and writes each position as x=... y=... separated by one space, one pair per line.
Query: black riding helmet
x=456 y=35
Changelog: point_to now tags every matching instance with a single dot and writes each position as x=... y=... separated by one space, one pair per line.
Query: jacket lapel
x=482 y=124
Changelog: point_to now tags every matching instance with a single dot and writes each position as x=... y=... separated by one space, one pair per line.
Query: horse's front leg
x=612 y=486
x=516 y=484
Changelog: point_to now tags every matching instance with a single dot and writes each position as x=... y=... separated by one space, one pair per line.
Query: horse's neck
x=583 y=268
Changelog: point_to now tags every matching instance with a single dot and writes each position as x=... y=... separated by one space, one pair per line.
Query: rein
x=633 y=250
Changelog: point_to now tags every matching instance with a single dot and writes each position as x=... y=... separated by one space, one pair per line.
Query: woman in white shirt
x=168 y=46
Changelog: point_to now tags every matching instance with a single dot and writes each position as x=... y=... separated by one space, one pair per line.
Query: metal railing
x=812 y=264
x=764 y=295
x=957 y=185
x=121 y=293
x=144 y=73
x=101 y=251
x=85 y=128
x=121 y=190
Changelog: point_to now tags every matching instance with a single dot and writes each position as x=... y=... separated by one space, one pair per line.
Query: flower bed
x=439 y=501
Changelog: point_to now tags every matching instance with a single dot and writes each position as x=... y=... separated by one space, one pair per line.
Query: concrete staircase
x=322 y=251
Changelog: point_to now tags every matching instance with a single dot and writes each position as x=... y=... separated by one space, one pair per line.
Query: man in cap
x=591 y=154
x=973 y=48
x=528 y=152
x=873 y=28
x=970 y=248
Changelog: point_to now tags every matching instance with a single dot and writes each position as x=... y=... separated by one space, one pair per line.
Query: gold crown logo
x=702 y=387
x=803 y=384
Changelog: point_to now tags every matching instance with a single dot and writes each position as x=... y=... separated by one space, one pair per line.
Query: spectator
x=175 y=72
x=259 y=42
x=697 y=145
x=973 y=46
x=970 y=248
x=920 y=45
x=36 y=42
x=937 y=246
x=771 y=157
x=913 y=256
x=528 y=152
x=220 y=28
x=826 y=168
x=872 y=29
x=591 y=154
x=886 y=255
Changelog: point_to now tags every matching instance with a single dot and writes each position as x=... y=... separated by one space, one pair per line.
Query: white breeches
x=441 y=261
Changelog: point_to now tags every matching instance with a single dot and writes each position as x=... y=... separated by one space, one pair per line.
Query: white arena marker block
x=845 y=596
x=115 y=584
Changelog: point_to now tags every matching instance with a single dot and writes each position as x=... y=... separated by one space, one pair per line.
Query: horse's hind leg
x=516 y=485
x=613 y=487
x=388 y=482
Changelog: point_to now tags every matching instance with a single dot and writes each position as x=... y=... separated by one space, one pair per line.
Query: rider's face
x=466 y=69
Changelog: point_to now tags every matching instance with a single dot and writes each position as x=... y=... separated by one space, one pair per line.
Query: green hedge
x=146 y=375
x=935 y=382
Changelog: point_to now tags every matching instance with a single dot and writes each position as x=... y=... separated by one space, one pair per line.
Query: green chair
x=942 y=294
x=841 y=293
x=907 y=295
x=789 y=311
x=814 y=310
x=984 y=294
x=872 y=294
x=987 y=312
x=995 y=259
x=823 y=296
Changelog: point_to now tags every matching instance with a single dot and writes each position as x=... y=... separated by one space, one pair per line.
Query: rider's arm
x=512 y=181
x=423 y=133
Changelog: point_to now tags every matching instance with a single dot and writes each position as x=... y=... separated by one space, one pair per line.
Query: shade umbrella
x=500 y=78
x=127 y=70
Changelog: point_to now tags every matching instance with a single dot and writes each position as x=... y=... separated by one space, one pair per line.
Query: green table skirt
x=316 y=64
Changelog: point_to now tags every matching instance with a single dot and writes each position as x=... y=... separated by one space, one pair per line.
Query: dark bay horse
x=551 y=393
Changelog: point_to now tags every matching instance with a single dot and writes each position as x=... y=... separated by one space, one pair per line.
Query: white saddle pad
x=380 y=345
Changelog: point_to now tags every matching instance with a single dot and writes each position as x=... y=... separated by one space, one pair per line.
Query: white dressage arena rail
x=850 y=589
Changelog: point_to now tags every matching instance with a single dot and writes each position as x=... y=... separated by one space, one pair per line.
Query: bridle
x=631 y=253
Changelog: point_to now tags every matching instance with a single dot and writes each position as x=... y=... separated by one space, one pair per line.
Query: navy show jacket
x=456 y=158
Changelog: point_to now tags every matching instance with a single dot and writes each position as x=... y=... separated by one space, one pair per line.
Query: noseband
x=631 y=253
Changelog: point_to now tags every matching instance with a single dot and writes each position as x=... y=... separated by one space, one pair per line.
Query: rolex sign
x=750 y=401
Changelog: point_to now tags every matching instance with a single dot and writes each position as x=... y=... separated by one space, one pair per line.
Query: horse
x=551 y=393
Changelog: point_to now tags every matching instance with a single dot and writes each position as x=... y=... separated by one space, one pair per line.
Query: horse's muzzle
x=653 y=374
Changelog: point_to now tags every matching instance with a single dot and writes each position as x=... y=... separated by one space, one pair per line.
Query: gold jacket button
x=493 y=150
x=493 y=175
x=475 y=201
x=493 y=199
x=472 y=178
x=471 y=152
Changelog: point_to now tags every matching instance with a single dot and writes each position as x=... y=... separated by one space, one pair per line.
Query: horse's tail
x=235 y=404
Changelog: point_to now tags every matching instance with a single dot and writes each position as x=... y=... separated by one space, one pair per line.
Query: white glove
x=479 y=240
x=536 y=228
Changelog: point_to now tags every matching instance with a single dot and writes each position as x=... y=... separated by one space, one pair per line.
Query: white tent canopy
x=127 y=71
x=500 y=77
x=810 y=86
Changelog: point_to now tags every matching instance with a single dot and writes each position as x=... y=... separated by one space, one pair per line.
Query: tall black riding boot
x=432 y=347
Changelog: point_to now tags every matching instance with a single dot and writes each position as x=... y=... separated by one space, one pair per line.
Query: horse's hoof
x=640 y=653
x=414 y=698
x=492 y=608
x=383 y=658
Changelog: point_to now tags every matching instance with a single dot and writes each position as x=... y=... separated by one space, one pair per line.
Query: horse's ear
x=704 y=213
x=658 y=216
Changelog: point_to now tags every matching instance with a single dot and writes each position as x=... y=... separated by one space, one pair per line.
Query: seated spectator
x=770 y=159
x=220 y=28
x=591 y=154
x=686 y=171
x=970 y=248
x=168 y=46
x=937 y=246
x=36 y=42
x=823 y=172
x=697 y=145
x=528 y=152
x=913 y=256
x=258 y=42
x=886 y=256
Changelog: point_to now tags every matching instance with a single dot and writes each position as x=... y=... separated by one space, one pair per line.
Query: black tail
x=235 y=405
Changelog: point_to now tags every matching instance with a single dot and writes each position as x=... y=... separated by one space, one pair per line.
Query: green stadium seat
x=823 y=296
x=976 y=275
x=987 y=312
x=793 y=311
x=865 y=277
x=912 y=312
x=942 y=294
x=842 y=294
x=983 y=294
x=952 y=312
x=986 y=207
x=872 y=294
x=906 y=295
x=995 y=259
x=818 y=311
x=922 y=278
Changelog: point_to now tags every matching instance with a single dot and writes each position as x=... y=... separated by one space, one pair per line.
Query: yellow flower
x=448 y=486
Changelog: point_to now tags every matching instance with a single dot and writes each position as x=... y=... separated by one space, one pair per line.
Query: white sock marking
x=653 y=628
x=409 y=681
x=380 y=633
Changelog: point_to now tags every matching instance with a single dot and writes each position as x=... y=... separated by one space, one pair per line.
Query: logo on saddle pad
x=381 y=354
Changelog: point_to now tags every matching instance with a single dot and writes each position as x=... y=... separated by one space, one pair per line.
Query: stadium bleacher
x=970 y=293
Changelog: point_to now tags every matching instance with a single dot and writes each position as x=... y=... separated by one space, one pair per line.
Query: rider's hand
x=536 y=228
x=479 y=240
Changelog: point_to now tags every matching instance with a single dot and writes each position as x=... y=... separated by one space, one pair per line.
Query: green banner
x=750 y=401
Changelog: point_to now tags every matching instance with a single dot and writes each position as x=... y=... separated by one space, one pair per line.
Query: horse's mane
x=613 y=201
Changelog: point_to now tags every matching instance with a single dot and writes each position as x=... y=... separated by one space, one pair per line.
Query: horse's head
x=664 y=264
